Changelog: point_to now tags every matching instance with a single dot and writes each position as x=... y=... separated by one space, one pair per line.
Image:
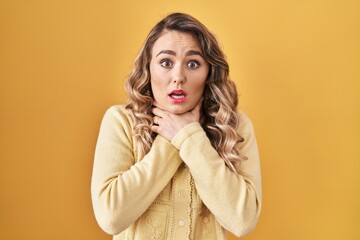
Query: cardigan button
x=181 y=223
x=181 y=193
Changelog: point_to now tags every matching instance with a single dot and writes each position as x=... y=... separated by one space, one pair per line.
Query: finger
x=154 y=128
x=156 y=120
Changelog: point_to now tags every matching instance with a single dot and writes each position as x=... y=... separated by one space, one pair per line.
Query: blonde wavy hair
x=220 y=119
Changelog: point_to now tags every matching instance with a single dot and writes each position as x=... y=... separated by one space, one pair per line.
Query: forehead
x=176 y=41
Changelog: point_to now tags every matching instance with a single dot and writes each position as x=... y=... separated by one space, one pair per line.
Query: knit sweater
x=160 y=196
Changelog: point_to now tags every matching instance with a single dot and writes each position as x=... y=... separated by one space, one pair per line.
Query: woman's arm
x=121 y=189
x=234 y=199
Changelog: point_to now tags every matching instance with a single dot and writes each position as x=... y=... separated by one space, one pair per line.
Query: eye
x=166 y=63
x=193 y=64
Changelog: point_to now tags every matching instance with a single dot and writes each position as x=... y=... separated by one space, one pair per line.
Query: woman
x=179 y=161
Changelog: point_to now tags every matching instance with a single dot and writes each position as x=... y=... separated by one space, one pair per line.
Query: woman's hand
x=168 y=125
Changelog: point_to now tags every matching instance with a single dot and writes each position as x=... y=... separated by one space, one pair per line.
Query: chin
x=177 y=112
x=178 y=109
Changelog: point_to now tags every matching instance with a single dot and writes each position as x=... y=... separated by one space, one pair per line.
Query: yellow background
x=297 y=68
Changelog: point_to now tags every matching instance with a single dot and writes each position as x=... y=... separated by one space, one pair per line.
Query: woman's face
x=178 y=72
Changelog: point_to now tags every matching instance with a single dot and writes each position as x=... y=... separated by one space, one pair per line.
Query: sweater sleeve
x=121 y=188
x=234 y=199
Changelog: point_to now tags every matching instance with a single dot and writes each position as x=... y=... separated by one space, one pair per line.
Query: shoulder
x=118 y=115
x=118 y=111
x=246 y=125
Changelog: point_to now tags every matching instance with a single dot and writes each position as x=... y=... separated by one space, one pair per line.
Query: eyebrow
x=189 y=53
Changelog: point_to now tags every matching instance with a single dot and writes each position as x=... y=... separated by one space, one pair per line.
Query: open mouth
x=178 y=96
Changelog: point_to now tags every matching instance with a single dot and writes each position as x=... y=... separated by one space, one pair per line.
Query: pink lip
x=177 y=96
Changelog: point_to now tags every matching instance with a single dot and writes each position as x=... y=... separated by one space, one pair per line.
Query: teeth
x=177 y=96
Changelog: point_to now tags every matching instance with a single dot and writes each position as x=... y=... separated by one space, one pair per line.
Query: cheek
x=197 y=91
x=159 y=92
x=157 y=82
x=200 y=84
x=200 y=89
x=202 y=76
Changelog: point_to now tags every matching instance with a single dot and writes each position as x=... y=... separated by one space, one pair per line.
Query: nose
x=178 y=76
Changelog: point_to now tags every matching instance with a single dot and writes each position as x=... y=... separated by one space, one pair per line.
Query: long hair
x=220 y=120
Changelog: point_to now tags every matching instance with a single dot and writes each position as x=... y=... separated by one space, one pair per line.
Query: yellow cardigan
x=160 y=196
